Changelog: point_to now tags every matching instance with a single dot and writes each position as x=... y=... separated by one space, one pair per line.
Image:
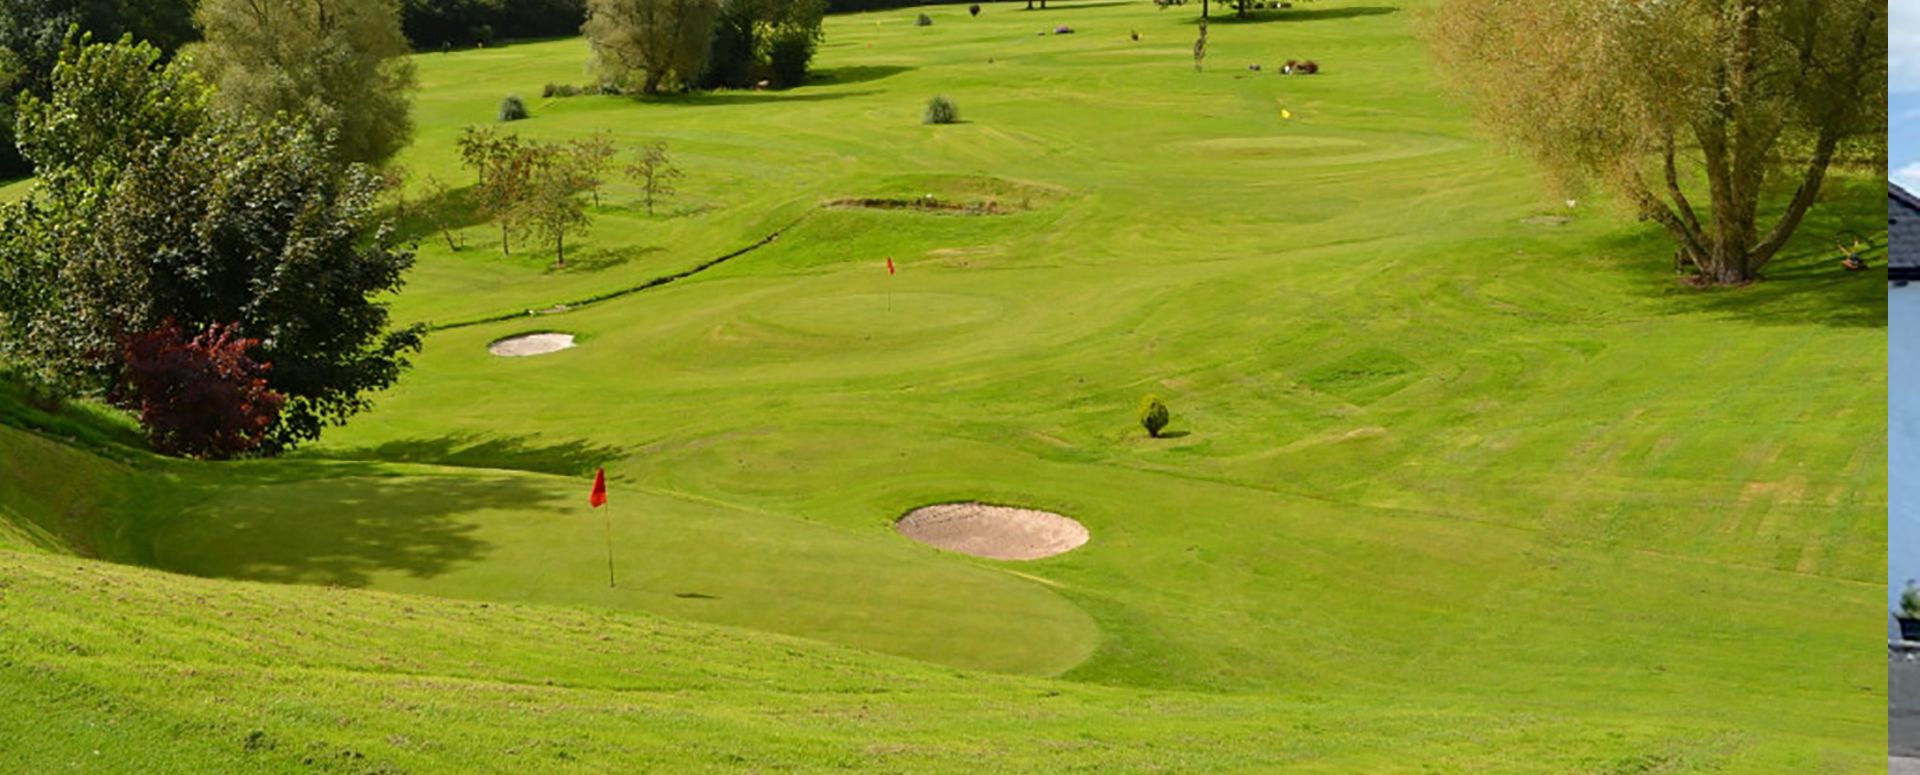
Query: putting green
x=529 y=538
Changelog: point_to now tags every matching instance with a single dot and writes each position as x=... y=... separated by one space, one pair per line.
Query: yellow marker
x=1285 y=114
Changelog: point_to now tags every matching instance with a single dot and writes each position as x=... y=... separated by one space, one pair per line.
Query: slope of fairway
x=1459 y=478
x=128 y=670
x=511 y=536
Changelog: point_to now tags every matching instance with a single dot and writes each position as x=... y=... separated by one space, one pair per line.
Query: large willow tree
x=1700 y=112
x=340 y=65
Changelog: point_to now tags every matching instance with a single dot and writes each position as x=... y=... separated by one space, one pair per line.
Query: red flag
x=889 y=264
x=599 y=496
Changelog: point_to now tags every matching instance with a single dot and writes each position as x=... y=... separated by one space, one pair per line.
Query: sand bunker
x=531 y=344
x=997 y=532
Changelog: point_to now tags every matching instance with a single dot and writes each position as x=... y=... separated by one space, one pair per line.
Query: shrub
x=973 y=10
x=1153 y=414
x=204 y=397
x=1308 y=67
x=561 y=90
x=788 y=52
x=941 y=110
x=1910 y=601
x=923 y=21
x=512 y=109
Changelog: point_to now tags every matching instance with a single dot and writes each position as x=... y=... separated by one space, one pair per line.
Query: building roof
x=1903 y=234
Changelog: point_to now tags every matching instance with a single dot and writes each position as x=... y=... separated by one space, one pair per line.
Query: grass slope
x=1444 y=479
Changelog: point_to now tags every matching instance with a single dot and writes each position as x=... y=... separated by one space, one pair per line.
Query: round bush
x=512 y=109
x=1153 y=414
x=941 y=110
x=923 y=21
x=973 y=10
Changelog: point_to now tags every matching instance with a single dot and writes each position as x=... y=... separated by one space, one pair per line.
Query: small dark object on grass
x=1308 y=67
x=1254 y=67
x=923 y=21
x=1063 y=30
x=512 y=109
x=1136 y=35
x=973 y=10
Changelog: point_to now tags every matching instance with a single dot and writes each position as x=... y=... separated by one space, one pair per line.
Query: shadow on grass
x=1175 y=434
x=589 y=261
x=728 y=97
x=1803 y=284
x=515 y=453
x=856 y=73
x=1262 y=16
x=422 y=219
x=344 y=531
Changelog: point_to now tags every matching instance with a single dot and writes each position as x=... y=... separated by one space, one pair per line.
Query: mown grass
x=1453 y=489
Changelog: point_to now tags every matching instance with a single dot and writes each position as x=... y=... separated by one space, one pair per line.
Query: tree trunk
x=560 y=248
x=503 y=241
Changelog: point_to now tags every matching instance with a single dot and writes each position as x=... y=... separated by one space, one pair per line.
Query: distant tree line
x=432 y=24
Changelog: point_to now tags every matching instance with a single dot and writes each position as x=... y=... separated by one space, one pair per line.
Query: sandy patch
x=530 y=344
x=996 y=532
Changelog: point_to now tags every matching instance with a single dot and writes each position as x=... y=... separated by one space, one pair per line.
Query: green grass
x=1450 y=491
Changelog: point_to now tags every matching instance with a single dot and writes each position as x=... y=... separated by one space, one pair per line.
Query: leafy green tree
x=661 y=43
x=341 y=65
x=772 y=40
x=1651 y=97
x=502 y=163
x=198 y=221
x=255 y=223
x=110 y=105
x=555 y=201
x=653 y=169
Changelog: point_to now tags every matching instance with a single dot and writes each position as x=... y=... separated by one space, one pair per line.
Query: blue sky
x=1903 y=98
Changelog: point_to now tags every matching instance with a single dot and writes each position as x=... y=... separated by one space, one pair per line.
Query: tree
x=1651 y=97
x=654 y=171
x=501 y=161
x=664 y=43
x=203 y=396
x=237 y=222
x=109 y=105
x=771 y=40
x=341 y=65
x=560 y=176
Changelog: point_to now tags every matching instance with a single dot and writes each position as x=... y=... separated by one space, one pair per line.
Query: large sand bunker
x=531 y=344
x=997 y=532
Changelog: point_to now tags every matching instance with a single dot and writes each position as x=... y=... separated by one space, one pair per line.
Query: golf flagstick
x=889 y=284
x=597 y=499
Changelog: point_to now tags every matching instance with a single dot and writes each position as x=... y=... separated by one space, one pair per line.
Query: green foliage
x=1649 y=97
x=340 y=65
x=1154 y=415
x=148 y=211
x=661 y=44
x=940 y=110
x=511 y=109
x=923 y=20
x=1910 y=601
x=653 y=169
x=764 y=40
x=528 y=185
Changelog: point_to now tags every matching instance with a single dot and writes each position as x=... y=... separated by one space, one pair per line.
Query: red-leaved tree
x=202 y=397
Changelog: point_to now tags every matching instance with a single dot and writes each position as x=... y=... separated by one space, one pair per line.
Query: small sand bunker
x=531 y=344
x=997 y=532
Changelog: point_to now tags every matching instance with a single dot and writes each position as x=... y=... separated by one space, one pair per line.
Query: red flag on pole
x=889 y=264
x=599 y=496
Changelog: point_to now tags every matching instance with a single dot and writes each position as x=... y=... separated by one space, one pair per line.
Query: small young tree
x=594 y=155
x=1154 y=415
x=554 y=203
x=432 y=205
x=503 y=166
x=654 y=171
x=203 y=397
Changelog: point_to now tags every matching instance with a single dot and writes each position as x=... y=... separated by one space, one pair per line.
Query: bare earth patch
x=530 y=344
x=995 y=532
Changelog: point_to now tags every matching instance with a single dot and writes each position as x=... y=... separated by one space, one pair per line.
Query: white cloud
x=1903 y=45
x=1908 y=177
